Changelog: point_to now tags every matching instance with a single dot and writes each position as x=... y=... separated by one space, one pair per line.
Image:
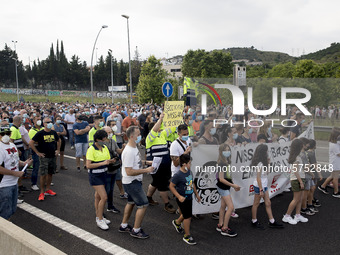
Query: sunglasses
x=48 y=122
x=5 y=133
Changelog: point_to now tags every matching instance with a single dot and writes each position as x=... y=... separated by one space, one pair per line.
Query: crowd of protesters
x=119 y=143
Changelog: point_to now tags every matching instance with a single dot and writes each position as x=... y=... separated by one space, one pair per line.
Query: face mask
x=199 y=117
x=250 y=131
x=49 y=125
x=25 y=115
x=131 y=114
x=58 y=121
x=23 y=120
x=115 y=119
x=226 y=154
x=185 y=138
x=190 y=122
x=34 y=114
x=235 y=136
x=139 y=138
x=101 y=124
x=213 y=131
x=11 y=113
x=233 y=118
x=87 y=113
x=302 y=121
x=252 y=118
x=110 y=136
x=100 y=143
x=5 y=139
x=114 y=129
x=39 y=122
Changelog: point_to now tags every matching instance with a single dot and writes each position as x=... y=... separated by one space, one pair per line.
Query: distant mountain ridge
x=330 y=54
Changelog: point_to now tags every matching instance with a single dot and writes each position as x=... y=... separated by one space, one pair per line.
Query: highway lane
x=74 y=204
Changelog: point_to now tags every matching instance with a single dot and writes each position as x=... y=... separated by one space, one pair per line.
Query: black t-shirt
x=47 y=142
x=223 y=168
x=142 y=119
x=297 y=130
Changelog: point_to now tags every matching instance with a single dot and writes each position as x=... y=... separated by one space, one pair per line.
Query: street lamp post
x=16 y=76
x=127 y=19
x=111 y=75
x=15 y=47
x=91 y=71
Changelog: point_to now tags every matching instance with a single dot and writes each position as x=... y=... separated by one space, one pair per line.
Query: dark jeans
x=109 y=187
x=36 y=164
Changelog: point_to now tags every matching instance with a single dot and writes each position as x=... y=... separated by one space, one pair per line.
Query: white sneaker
x=300 y=218
x=106 y=220
x=72 y=147
x=20 y=201
x=102 y=225
x=289 y=220
x=34 y=187
x=287 y=190
x=234 y=215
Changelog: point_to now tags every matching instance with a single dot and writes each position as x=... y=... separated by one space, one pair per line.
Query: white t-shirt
x=299 y=169
x=131 y=158
x=264 y=177
x=334 y=150
x=70 y=118
x=10 y=157
x=24 y=134
x=176 y=150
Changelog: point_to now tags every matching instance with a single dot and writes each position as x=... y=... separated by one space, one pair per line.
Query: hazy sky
x=167 y=28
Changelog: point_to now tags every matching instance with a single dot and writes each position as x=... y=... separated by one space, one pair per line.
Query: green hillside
x=330 y=54
x=254 y=55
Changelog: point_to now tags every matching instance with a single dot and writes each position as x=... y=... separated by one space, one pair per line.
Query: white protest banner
x=204 y=171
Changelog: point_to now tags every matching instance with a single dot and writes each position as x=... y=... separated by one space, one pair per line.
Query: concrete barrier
x=16 y=241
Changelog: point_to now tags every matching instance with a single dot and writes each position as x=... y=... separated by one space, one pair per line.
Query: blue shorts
x=119 y=174
x=136 y=194
x=81 y=149
x=257 y=190
x=222 y=192
x=8 y=201
x=97 y=179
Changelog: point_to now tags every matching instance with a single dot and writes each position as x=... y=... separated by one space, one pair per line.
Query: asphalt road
x=74 y=203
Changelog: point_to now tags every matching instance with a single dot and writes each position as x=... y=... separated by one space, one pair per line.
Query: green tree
x=151 y=80
x=286 y=70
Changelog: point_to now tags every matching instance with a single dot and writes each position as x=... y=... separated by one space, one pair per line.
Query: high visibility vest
x=91 y=134
x=156 y=145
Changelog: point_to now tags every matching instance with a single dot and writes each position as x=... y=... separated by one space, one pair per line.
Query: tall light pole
x=91 y=71
x=16 y=76
x=127 y=19
x=111 y=75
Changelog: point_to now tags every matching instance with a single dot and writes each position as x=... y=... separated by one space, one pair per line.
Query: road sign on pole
x=167 y=89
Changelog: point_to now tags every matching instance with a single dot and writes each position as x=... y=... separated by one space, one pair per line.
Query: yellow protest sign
x=173 y=113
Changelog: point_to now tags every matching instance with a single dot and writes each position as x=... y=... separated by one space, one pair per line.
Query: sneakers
x=257 y=225
x=316 y=202
x=324 y=190
x=20 y=201
x=102 y=224
x=113 y=210
x=234 y=215
x=105 y=220
x=127 y=229
x=169 y=208
x=228 y=232
x=152 y=202
x=178 y=228
x=63 y=168
x=72 y=147
x=275 y=225
x=23 y=189
x=124 y=196
x=50 y=193
x=219 y=227
x=78 y=169
x=177 y=211
x=34 y=187
x=189 y=240
x=41 y=197
x=140 y=234
x=313 y=209
x=307 y=211
x=289 y=219
x=215 y=216
x=300 y=219
x=196 y=216
x=337 y=195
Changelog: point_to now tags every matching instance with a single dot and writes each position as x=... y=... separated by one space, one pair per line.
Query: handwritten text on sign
x=173 y=111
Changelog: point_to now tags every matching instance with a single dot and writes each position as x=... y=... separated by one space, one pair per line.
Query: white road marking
x=67 y=156
x=73 y=230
